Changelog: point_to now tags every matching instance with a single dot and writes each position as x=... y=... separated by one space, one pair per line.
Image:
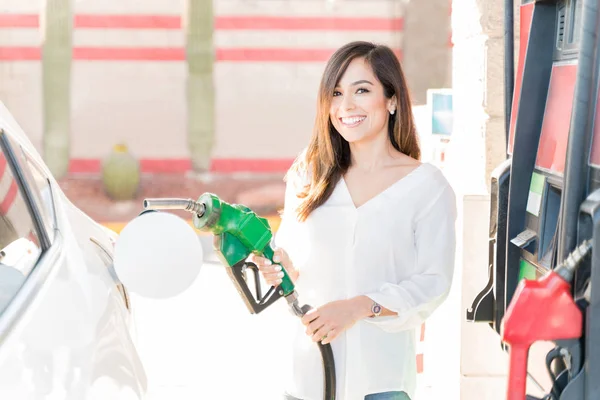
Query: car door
x=64 y=324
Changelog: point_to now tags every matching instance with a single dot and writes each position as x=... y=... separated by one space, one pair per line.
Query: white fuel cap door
x=158 y=255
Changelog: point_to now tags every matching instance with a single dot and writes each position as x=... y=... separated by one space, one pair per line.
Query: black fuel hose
x=328 y=363
x=328 y=371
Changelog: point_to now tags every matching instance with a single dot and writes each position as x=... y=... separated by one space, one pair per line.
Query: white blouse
x=398 y=249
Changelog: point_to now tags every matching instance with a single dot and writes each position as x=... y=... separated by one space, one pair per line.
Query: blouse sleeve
x=284 y=234
x=415 y=299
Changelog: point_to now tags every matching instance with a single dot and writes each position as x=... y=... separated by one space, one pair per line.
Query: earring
x=392 y=112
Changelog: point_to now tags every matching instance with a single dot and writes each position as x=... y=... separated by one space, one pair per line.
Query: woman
x=367 y=233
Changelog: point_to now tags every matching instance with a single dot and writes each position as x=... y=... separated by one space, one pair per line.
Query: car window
x=19 y=241
x=43 y=195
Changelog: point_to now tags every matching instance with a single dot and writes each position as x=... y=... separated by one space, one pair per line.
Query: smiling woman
x=367 y=232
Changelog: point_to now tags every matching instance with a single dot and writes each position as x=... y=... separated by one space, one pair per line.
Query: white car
x=66 y=328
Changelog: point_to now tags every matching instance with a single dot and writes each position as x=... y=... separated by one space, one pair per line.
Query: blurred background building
x=237 y=96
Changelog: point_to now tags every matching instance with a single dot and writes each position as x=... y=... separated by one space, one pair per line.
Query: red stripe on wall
x=9 y=198
x=20 y=53
x=19 y=21
x=308 y=23
x=250 y=165
x=176 y=54
x=165 y=165
x=108 y=21
x=220 y=165
x=281 y=55
x=128 y=21
x=129 y=54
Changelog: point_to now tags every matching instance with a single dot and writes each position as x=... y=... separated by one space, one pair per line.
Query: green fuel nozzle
x=238 y=232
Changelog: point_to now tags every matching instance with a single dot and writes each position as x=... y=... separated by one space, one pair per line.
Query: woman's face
x=359 y=109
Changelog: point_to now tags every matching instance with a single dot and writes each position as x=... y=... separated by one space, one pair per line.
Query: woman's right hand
x=272 y=272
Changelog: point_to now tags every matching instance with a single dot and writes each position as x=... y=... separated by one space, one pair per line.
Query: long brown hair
x=327 y=156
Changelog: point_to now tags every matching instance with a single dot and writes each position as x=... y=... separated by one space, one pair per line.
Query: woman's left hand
x=328 y=321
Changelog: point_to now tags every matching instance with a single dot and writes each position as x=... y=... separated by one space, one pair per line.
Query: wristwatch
x=376 y=310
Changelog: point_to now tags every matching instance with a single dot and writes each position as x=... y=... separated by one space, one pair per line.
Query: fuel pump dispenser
x=545 y=205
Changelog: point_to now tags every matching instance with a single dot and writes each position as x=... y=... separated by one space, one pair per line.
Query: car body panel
x=68 y=332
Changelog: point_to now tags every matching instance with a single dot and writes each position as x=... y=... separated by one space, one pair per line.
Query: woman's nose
x=347 y=103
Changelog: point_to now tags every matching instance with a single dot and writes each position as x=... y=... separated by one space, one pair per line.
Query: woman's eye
x=336 y=93
x=362 y=90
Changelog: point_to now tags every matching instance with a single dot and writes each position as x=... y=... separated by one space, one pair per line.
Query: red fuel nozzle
x=540 y=310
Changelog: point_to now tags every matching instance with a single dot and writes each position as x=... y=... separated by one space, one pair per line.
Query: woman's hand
x=272 y=273
x=327 y=322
